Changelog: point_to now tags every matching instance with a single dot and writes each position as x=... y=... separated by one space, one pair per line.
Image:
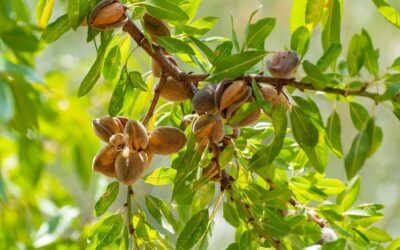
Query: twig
x=131 y=229
x=157 y=53
x=150 y=111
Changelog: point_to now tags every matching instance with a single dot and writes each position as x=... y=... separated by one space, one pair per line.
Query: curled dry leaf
x=284 y=64
x=105 y=127
x=155 y=27
x=174 y=91
x=129 y=165
x=166 y=140
x=136 y=135
x=271 y=94
x=108 y=14
x=104 y=161
x=203 y=101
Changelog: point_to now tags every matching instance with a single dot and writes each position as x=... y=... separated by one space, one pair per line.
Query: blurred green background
x=47 y=188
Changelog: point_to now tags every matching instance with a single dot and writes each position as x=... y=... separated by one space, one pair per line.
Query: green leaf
x=349 y=196
x=117 y=99
x=231 y=215
x=314 y=10
x=318 y=80
x=135 y=78
x=304 y=130
x=226 y=156
x=334 y=133
x=235 y=40
x=20 y=40
x=174 y=46
x=193 y=231
x=107 y=198
x=388 y=12
x=92 y=76
x=331 y=28
x=300 y=40
x=112 y=63
x=244 y=110
x=358 y=154
x=159 y=209
x=161 y=176
x=375 y=135
x=329 y=57
x=44 y=9
x=77 y=10
x=318 y=155
x=222 y=50
x=164 y=10
x=370 y=54
x=109 y=231
x=6 y=102
x=359 y=115
x=297 y=16
x=330 y=186
x=355 y=55
x=375 y=234
x=203 y=47
x=56 y=29
x=235 y=65
x=334 y=245
x=3 y=195
x=258 y=33
x=265 y=157
x=395 y=245
x=396 y=64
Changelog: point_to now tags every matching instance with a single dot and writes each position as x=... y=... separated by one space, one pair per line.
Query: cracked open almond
x=108 y=14
x=136 y=135
x=105 y=127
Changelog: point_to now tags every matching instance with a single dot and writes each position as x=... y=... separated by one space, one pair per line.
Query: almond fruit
x=167 y=140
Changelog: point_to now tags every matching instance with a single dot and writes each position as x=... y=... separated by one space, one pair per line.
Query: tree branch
x=157 y=53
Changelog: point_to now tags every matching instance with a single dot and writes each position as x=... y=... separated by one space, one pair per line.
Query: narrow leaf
x=193 y=231
x=235 y=65
x=388 y=12
x=161 y=176
x=44 y=9
x=112 y=63
x=135 y=78
x=164 y=10
x=331 y=28
x=56 y=29
x=329 y=57
x=173 y=45
x=358 y=154
x=334 y=133
x=258 y=32
x=304 y=130
x=317 y=78
x=359 y=115
x=300 y=40
x=107 y=198
x=117 y=99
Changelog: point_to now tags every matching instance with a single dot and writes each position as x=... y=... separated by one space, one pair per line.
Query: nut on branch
x=284 y=64
x=105 y=127
x=129 y=165
x=166 y=140
x=108 y=14
x=203 y=101
x=155 y=27
x=104 y=161
x=271 y=94
x=174 y=91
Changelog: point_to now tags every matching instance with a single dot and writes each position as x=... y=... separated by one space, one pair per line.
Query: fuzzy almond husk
x=167 y=140
x=129 y=165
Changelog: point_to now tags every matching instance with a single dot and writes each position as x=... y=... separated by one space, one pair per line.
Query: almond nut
x=105 y=127
x=108 y=14
x=284 y=64
x=203 y=128
x=167 y=140
x=155 y=27
x=104 y=161
x=136 y=135
x=271 y=94
x=203 y=101
x=174 y=91
x=212 y=171
x=129 y=165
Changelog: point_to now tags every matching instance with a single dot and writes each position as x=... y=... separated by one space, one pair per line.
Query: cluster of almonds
x=130 y=148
